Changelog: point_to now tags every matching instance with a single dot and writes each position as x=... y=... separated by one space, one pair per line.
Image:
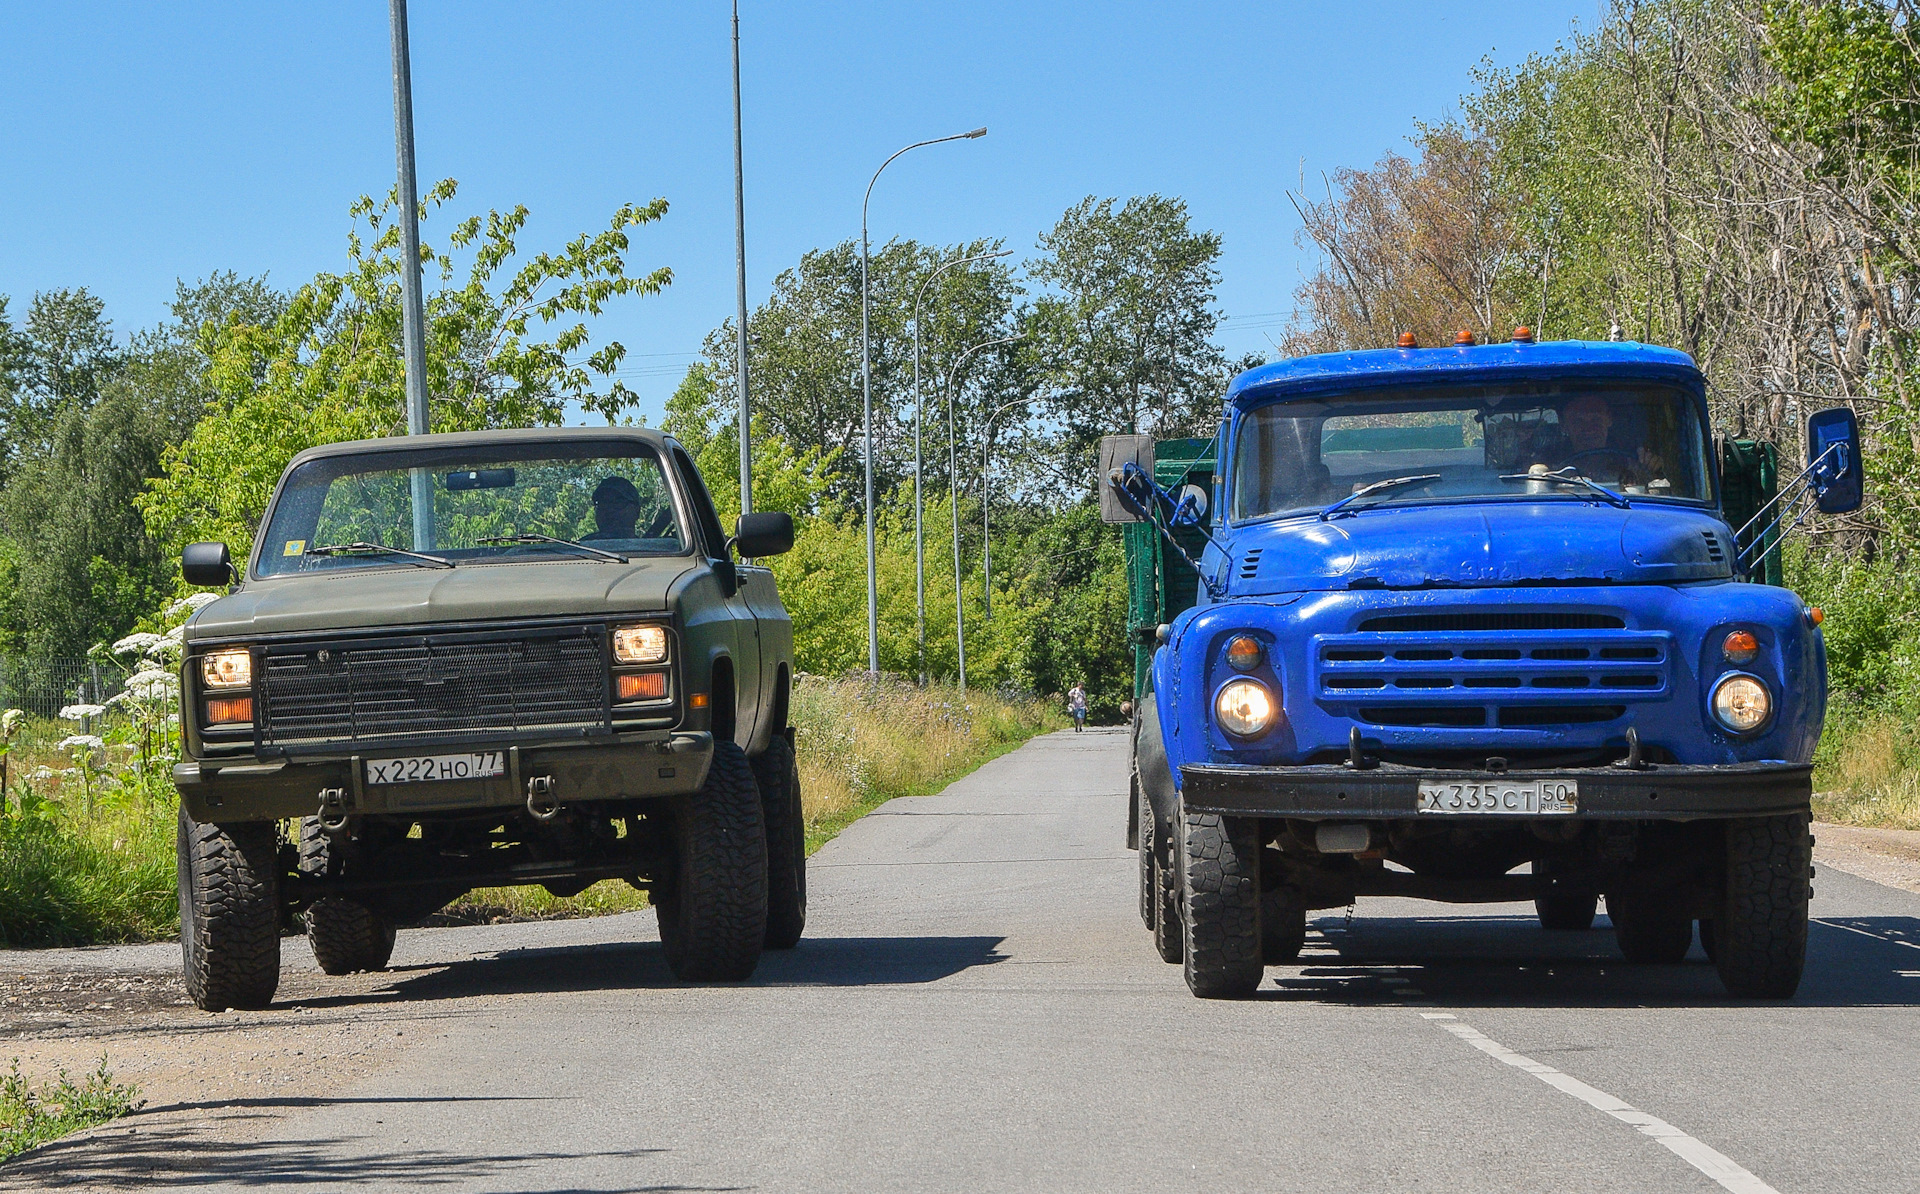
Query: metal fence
x=44 y=686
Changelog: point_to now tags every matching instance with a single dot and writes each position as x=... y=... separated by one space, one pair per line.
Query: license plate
x=1540 y=797
x=424 y=768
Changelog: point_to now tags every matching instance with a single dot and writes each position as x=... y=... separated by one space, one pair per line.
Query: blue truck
x=1479 y=623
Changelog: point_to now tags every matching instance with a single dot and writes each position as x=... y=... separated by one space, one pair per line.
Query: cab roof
x=1300 y=377
x=485 y=439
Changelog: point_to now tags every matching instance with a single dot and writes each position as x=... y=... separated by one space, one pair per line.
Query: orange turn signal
x=1816 y=615
x=229 y=710
x=1740 y=646
x=640 y=686
x=698 y=700
x=1523 y=335
x=1243 y=653
x=1407 y=340
x=1463 y=338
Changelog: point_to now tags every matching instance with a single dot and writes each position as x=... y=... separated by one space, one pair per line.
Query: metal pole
x=986 y=538
x=919 y=490
x=953 y=486
x=866 y=400
x=413 y=335
x=740 y=277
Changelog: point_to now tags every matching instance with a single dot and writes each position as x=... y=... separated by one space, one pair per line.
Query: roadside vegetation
x=33 y=1114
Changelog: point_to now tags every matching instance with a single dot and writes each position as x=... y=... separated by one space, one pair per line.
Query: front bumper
x=629 y=767
x=1389 y=792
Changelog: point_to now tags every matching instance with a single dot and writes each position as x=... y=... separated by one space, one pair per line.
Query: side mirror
x=1116 y=452
x=768 y=534
x=206 y=564
x=1833 y=457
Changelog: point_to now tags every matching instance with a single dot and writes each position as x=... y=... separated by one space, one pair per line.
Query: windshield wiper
x=530 y=539
x=355 y=549
x=1566 y=476
x=1376 y=487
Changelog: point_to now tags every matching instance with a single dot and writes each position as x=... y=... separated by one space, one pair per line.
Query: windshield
x=610 y=498
x=1461 y=441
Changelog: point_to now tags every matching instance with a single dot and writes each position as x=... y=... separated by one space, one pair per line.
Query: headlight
x=1244 y=708
x=1742 y=704
x=226 y=669
x=1243 y=653
x=640 y=644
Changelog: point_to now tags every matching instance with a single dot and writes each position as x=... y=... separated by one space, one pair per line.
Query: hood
x=391 y=597
x=1481 y=545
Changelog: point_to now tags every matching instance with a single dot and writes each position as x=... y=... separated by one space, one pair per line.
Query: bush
x=31 y=1115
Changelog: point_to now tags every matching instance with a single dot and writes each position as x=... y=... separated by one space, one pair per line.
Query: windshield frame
x=379 y=458
x=1690 y=393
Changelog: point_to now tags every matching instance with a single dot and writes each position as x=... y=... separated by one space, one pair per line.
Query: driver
x=616 y=507
x=1585 y=441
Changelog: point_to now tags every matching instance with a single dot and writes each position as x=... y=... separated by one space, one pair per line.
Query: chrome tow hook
x=333 y=810
x=541 y=805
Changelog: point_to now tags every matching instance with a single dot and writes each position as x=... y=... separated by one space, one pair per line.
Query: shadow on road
x=147 y=1152
x=815 y=962
x=1494 y=961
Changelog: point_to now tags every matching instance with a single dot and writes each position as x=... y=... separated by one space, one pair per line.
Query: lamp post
x=919 y=490
x=866 y=399
x=953 y=483
x=413 y=336
x=986 y=541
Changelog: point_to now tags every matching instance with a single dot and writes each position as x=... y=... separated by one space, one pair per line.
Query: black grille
x=372 y=691
x=1415 y=623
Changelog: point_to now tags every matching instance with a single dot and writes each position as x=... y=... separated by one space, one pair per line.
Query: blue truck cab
x=1472 y=624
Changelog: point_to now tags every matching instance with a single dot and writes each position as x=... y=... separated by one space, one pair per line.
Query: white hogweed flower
x=151 y=684
x=80 y=742
x=76 y=712
x=137 y=644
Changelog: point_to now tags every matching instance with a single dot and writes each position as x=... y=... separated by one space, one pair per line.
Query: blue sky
x=143 y=143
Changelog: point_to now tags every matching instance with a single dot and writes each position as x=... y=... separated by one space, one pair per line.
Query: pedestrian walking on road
x=1077 y=705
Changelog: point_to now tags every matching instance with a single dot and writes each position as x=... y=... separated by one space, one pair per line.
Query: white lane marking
x=1715 y=1164
x=1877 y=937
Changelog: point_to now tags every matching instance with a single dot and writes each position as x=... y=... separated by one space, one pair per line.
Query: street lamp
x=919 y=504
x=986 y=541
x=866 y=400
x=953 y=483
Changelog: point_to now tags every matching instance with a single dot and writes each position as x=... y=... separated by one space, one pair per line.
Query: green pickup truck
x=482 y=660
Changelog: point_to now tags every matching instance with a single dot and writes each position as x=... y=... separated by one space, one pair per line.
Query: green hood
x=382 y=598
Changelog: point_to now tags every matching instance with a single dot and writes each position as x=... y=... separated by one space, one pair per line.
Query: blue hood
x=1477 y=545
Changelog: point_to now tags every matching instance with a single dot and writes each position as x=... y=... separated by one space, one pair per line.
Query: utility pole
x=413 y=332
x=740 y=275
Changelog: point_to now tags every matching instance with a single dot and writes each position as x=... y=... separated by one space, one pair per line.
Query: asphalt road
x=977 y=1007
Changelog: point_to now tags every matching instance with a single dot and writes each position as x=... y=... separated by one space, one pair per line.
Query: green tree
x=329 y=367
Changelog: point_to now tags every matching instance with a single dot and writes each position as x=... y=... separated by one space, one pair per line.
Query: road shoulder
x=1890 y=857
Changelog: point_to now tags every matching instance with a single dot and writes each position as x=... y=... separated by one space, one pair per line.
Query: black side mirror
x=768 y=534
x=206 y=564
x=1833 y=454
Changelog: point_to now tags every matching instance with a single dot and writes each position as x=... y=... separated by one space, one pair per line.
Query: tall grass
x=87 y=839
x=1867 y=771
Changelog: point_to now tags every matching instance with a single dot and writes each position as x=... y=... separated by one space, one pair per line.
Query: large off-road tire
x=778 y=775
x=1283 y=926
x=1143 y=845
x=1649 y=929
x=1760 y=936
x=1563 y=909
x=229 y=884
x=1220 y=904
x=1162 y=876
x=713 y=907
x=347 y=936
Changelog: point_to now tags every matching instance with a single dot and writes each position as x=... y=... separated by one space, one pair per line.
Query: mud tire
x=1220 y=904
x=1283 y=926
x=1760 y=936
x=347 y=936
x=229 y=884
x=713 y=907
x=1564 y=909
x=1158 y=871
x=1649 y=930
x=777 y=773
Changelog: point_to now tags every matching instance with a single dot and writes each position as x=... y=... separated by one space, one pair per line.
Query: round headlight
x=1243 y=653
x=1742 y=704
x=1244 y=708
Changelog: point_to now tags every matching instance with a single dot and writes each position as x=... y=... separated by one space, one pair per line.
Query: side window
x=716 y=539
